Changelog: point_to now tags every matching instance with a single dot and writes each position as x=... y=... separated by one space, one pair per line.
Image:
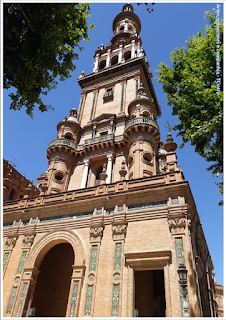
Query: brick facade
x=115 y=219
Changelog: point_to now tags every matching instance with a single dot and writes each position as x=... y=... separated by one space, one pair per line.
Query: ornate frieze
x=28 y=240
x=10 y=242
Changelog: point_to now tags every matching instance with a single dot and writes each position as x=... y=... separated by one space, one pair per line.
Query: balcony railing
x=119 y=138
x=103 y=138
x=141 y=120
x=63 y=142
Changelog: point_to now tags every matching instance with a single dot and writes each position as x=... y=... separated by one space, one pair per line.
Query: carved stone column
x=109 y=168
x=77 y=279
x=85 y=173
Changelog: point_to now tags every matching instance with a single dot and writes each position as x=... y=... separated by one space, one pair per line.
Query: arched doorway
x=52 y=289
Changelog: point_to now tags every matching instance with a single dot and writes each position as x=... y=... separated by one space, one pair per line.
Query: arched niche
x=51 y=239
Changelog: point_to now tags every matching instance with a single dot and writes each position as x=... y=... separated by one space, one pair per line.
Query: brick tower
x=114 y=231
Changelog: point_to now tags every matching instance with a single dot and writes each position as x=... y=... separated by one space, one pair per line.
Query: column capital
x=87 y=162
x=110 y=157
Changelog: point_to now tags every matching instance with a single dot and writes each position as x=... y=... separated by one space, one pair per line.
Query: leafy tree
x=191 y=89
x=39 y=45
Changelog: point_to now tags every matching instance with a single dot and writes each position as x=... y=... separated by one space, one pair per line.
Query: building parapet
x=108 y=190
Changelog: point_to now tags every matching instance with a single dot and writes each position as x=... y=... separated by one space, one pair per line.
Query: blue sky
x=26 y=140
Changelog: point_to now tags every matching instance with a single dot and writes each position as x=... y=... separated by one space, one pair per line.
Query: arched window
x=122 y=28
x=114 y=60
x=12 y=194
x=68 y=136
x=99 y=171
x=102 y=64
x=127 y=55
x=146 y=114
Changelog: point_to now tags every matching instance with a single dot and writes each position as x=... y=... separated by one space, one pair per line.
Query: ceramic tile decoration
x=11 y=300
x=179 y=251
x=21 y=300
x=5 y=259
x=147 y=205
x=27 y=300
x=93 y=258
x=116 y=276
x=118 y=249
x=73 y=299
x=89 y=298
x=115 y=301
x=22 y=260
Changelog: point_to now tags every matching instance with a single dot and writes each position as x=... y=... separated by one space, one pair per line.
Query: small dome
x=127 y=7
x=141 y=93
x=162 y=151
x=71 y=118
x=73 y=115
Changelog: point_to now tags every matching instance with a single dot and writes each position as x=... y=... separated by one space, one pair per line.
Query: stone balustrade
x=108 y=190
x=64 y=142
x=142 y=120
x=103 y=138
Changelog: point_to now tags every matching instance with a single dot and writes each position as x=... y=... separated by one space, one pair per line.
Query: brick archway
x=51 y=239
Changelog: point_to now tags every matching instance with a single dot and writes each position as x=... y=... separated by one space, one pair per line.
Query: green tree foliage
x=191 y=89
x=40 y=40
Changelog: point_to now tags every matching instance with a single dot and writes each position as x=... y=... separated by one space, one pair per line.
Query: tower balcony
x=63 y=142
x=103 y=138
x=142 y=122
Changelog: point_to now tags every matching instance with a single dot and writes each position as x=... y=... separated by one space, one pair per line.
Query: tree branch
x=26 y=18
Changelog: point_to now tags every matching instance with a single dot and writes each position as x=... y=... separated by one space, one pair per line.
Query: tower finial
x=168 y=126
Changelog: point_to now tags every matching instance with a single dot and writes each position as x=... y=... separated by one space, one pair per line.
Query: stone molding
x=45 y=243
x=10 y=242
x=152 y=259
